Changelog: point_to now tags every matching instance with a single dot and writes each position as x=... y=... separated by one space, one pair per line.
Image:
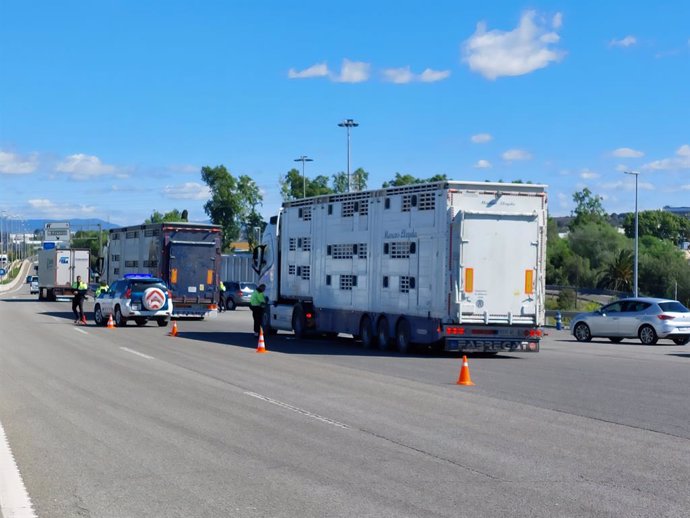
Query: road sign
x=3 y=272
x=48 y=245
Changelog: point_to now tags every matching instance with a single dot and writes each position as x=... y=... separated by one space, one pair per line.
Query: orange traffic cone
x=110 y=324
x=262 y=345
x=464 y=378
x=173 y=331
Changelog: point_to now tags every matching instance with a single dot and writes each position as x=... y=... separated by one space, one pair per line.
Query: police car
x=137 y=297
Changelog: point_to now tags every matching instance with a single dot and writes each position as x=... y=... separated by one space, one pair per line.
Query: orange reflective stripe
x=469 y=280
x=173 y=276
x=209 y=277
x=529 y=282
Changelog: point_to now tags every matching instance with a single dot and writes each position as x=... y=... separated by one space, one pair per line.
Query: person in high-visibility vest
x=102 y=288
x=79 y=288
x=257 y=303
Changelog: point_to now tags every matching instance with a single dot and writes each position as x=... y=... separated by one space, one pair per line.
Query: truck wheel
x=402 y=336
x=366 y=333
x=382 y=334
x=120 y=321
x=98 y=315
x=266 y=324
x=163 y=322
x=299 y=325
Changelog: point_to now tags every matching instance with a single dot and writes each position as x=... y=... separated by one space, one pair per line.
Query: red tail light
x=128 y=293
x=665 y=317
x=455 y=330
x=308 y=315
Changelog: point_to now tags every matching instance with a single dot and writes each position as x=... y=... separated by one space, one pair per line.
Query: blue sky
x=109 y=109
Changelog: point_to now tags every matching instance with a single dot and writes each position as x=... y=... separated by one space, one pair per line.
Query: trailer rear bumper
x=472 y=345
x=473 y=338
x=193 y=310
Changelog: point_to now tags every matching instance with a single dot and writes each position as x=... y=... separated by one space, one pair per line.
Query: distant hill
x=75 y=224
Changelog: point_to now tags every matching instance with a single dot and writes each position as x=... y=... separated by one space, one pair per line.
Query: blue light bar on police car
x=138 y=276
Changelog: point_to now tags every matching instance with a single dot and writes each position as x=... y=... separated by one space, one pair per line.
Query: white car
x=135 y=297
x=646 y=318
x=33 y=286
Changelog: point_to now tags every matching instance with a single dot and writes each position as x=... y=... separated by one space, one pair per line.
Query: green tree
x=662 y=265
x=658 y=223
x=408 y=179
x=589 y=208
x=618 y=274
x=159 y=217
x=358 y=178
x=91 y=240
x=558 y=256
x=340 y=182
x=293 y=186
x=232 y=201
x=254 y=228
x=597 y=242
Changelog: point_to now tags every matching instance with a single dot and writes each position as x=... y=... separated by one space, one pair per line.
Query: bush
x=567 y=299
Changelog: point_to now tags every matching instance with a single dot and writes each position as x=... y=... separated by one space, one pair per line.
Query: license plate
x=136 y=307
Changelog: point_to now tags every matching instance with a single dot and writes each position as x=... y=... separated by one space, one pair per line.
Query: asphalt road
x=131 y=422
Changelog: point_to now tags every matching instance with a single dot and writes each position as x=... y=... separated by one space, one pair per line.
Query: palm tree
x=618 y=273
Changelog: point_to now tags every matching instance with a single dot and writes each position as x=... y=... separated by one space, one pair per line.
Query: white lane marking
x=14 y=500
x=138 y=353
x=80 y=331
x=298 y=410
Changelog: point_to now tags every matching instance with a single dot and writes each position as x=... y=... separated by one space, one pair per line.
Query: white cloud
x=50 y=209
x=588 y=174
x=187 y=191
x=482 y=164
x=317 y=70
x=398 y=75
x=432 y=76
x=623 y=42
x=626 y=152
x=11 y=163
x=523 y=50
x=678 y=163
x=85 y=167
x=352 y=72
x=516 y=154
x=481 y=138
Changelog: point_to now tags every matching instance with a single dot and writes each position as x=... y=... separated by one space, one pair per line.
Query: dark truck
x=185 y=255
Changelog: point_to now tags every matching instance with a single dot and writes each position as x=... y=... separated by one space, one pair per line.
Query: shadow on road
x=680 y=355
x=288 y=344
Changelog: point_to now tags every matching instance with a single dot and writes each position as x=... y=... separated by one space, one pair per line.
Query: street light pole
x=636 y=174
x=303 y=159
x=348 y=123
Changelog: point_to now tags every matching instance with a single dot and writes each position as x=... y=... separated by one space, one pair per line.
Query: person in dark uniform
x=79 y=289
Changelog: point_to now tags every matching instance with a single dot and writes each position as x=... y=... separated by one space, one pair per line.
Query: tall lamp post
x=303 y=159
x=636 y=174
x=348 y=123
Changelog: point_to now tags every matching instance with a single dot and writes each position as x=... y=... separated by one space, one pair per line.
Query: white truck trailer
x=58 y=269
x=456 y=265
